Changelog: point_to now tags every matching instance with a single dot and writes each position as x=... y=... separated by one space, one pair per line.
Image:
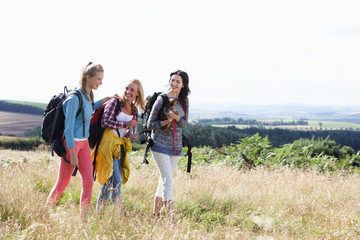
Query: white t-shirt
x=122 y=117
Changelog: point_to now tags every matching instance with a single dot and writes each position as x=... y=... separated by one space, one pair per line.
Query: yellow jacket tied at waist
x=109 y=148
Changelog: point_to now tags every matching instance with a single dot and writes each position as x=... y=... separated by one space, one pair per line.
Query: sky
x=247 y=52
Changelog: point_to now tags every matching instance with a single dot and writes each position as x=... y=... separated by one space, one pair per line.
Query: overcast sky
x=260 y=52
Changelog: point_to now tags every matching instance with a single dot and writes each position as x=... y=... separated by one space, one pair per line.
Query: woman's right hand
x=170 y=117
x=132 y=123
x=74 y=161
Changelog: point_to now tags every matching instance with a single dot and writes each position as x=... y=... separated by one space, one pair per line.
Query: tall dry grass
x=212 y=203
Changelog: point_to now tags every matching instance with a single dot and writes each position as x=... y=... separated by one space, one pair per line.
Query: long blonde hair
x=90 y=70
x=139 y=101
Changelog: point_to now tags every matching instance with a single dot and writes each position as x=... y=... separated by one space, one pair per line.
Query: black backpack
x=96 y=130
x=150 y=100
x=54 y=122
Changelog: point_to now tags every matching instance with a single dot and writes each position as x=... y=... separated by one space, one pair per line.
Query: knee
x=88 y=184
x=167 y=181
x=61 y=185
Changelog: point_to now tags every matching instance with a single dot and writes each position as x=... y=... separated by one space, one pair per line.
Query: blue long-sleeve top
x=74 y=125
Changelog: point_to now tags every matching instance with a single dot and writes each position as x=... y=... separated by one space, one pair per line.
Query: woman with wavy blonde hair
x=120 y=117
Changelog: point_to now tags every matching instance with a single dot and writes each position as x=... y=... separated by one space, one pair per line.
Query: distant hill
x=275 y=111
x=22 y=107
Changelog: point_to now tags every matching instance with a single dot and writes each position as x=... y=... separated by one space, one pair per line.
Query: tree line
x=216 y=137
x=20 y=108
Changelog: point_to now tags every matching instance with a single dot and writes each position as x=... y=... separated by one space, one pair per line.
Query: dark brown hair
x=185 y=91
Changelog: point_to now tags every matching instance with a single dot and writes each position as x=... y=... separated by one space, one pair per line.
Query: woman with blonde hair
x=76 y=138
x=119 y=119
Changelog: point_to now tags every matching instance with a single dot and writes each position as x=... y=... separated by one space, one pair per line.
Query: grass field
x=213 y=202
x=8 y=138
x=15 y=124
x=335 y=125
x=35 y=104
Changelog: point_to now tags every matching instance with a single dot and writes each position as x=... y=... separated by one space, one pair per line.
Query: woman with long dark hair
x=168 y=144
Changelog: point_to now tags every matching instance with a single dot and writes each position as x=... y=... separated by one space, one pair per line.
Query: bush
x=320 y=154
x=35 y=132
x=21 y=143
x=318 y=146
x=250 y=151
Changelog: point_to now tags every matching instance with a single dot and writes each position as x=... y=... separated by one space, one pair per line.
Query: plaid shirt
x=109 y=119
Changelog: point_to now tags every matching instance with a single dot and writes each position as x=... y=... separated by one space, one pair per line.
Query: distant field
x=40 y=105
x=335 y=125
x=16 y=124
x=313 y=125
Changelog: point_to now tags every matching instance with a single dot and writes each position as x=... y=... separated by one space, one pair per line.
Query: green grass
x=212 y=202
x=35 y=104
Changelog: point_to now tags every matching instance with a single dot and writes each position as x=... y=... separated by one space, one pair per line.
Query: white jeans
x=167 y=165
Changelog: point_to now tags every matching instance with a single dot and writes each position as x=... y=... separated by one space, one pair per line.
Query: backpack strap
x=117 y=109
x=80 y=109
x=165 y=99
x=187 y=144
x=149 y=140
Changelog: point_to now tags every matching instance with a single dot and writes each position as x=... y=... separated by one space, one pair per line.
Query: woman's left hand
x=105 y=99
x=117 y=96
x=174 y=116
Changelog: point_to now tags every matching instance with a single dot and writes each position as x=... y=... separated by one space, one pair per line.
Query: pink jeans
x=82 y=150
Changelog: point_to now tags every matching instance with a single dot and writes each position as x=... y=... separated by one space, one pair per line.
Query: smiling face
x=131 y=92
x=176 y=83
x=95 y=81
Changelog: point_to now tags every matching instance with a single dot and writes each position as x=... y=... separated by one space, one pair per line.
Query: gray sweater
x=170 y=144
